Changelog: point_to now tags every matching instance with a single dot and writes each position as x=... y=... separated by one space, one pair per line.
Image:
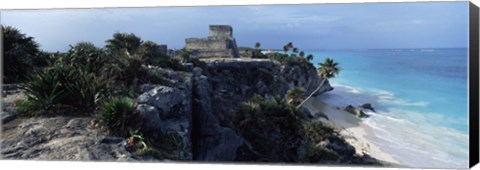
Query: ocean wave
x=407 y=135
x=360 y=96
x=390 y=98
x=419 y=143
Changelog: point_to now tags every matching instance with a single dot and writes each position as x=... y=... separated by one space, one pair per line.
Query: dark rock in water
x=60 y=138
x=355 y=111
x=368 y=106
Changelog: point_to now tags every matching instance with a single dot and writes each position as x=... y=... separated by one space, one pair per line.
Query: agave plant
x=114 y=113
x=43 y=91
x=87 y=90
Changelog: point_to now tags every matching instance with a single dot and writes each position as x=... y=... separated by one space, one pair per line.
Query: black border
x=474 y=84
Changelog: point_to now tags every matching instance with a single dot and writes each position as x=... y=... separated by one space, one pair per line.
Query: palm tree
x=285 y=49
x=19 y=53
x=295 y=50
x=257 y=45
x=328 y=69
x=124 y=42
x=295 y=96
x=290 y=45
x=301 y=54
x=309 y=57
x=257 y=49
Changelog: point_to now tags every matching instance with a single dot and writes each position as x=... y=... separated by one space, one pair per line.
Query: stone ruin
x=219 y=43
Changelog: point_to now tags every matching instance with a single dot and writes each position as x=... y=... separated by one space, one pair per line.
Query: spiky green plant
x=114 y=114
x=44 y=92
x=138 y=145
x=87 y=90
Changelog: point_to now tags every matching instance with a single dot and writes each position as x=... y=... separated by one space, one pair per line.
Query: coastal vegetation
x=19 y=54
x=140 y=94
x=328 y=69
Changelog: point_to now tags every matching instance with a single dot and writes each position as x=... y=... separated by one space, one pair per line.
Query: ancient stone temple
x=219 y=43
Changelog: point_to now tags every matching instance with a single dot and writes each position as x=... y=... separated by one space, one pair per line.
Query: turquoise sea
x=420 y=97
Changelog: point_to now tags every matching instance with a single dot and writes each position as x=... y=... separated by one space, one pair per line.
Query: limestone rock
x=165 y=110
x=60 y=138
x=211 y=141
x=368 y=106
x=355 y=111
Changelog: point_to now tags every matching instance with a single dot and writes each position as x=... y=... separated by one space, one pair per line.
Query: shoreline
x=355 y=132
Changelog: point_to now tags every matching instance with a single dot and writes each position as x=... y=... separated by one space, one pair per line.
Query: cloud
x=286 y=17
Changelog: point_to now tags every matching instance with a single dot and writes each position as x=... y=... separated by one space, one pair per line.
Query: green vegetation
x=122 y=43
x=316 y=153
x=295 y=96
x=19 y=53
x=295 y=57
x=137 y=144
x=79 y=79
x=114 y=113
x=278 y=131
x=257 y=52
x=271 y=125
x=328 y=69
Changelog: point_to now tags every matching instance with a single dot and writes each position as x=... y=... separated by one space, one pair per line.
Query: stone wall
x=220 y=43
x=221 y=31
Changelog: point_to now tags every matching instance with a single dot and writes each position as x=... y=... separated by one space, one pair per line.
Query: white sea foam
x=409 y=136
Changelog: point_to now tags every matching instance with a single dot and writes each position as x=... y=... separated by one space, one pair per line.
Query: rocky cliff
x=188 y=117
x=200 y=107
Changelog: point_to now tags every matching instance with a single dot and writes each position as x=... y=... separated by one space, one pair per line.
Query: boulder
x=355 y=111
x=163 y=113
x=320 y=115
x=368 y=106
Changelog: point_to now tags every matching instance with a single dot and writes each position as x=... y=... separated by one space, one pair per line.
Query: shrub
x=44 y=92
x=114 y=113
x=316 y=131
x=126 y=69
x=61 y=86
x=295 y=96
x=122 y=43
x=138 y=145
x=86 y=90
x=18 y=53
x=272 y=126
x=86 y=57
x=317 y=153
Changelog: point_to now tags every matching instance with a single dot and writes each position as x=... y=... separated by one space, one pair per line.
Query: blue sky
x=320 y=26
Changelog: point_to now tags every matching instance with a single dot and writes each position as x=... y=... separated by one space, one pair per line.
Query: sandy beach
x=352 y=128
